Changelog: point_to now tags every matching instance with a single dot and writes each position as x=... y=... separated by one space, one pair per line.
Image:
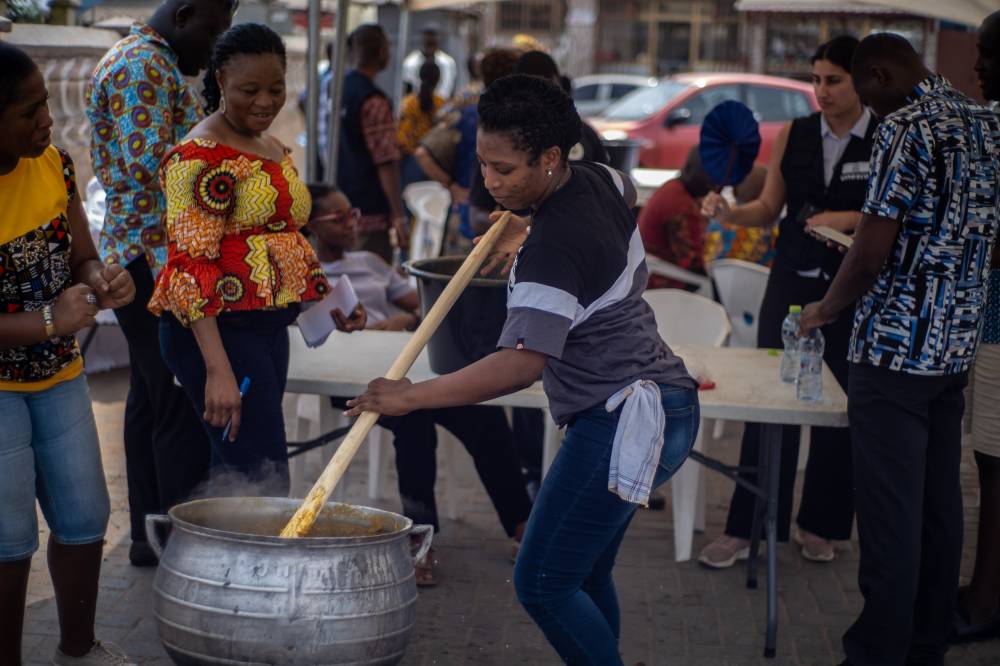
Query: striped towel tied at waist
x=638 y=440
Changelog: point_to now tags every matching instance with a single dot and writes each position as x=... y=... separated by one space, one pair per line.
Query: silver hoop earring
x=222 y=103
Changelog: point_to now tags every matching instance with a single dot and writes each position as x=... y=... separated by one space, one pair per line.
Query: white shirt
x=834 y=146
x=375 y=282
x=449 y=72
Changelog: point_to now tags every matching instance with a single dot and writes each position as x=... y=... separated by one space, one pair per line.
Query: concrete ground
x=672 y=613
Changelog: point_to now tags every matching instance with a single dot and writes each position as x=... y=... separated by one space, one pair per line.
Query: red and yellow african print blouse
x=233 y=221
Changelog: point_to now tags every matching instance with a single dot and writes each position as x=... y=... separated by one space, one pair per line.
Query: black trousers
x=256 y=344
x=827 y=507
x=166 y=451
x=486 y=435
x=907 y=437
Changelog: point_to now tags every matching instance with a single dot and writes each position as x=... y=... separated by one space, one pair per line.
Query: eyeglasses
x=339 y=216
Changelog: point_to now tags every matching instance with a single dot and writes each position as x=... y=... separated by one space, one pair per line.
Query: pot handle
x=426 y=535
x=152 y=520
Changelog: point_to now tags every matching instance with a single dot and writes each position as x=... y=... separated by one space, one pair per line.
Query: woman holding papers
x=238 y=268
x=577 y=319
x=819 y=172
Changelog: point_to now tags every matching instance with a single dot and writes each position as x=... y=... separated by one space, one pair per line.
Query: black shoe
x=141 y=554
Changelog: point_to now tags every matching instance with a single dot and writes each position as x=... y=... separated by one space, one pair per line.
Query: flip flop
x=423 y=571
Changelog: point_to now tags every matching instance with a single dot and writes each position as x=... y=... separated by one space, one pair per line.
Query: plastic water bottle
x=789 y=369
x=809 y=386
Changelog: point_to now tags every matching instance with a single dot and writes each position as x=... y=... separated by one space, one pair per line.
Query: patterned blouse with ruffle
x=233 y=221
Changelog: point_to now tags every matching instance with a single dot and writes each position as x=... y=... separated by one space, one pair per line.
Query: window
x=586 y=93
x=622 y=37
x=719 y=42
x=531 y=16
x=776 y=104
x=644 y=102
x=619 y=90
x=708 y=99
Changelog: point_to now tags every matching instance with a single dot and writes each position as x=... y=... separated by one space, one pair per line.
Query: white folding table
x=747 y=388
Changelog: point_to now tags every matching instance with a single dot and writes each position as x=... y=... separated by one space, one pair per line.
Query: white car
x=596 y=92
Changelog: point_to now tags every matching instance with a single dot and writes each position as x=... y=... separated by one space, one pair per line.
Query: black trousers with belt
x=166 y=450
x=907 y=436
x=486 y=435
x=827 y=507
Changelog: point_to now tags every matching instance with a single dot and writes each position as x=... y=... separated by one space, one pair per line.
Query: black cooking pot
x=623 y=154
x=472 y=327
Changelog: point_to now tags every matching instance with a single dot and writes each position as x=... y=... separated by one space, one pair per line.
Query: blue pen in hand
x=244 y=385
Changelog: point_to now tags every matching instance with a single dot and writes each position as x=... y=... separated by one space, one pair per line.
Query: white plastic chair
x=429 y=202
x=312 y=416
x=740 y=285
x=686 y=318
x=657 y=266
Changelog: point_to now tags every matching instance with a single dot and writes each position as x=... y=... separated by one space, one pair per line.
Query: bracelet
x=49 y=321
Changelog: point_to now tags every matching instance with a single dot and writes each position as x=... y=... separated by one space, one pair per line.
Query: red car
x=667 y=117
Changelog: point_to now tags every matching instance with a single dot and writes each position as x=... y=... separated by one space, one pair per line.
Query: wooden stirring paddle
x=302 y=522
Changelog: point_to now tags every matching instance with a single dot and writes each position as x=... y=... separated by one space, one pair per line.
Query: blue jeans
x=49 y=450
x=257 y=346
x=563 y=572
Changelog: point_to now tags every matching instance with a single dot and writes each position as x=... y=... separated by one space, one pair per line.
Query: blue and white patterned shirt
x=139 y=106
x=936 y=170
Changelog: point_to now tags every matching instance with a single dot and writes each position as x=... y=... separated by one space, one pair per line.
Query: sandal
x=423 y=571
x=815 y=548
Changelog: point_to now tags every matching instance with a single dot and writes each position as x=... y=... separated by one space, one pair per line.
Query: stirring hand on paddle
x=506 y=247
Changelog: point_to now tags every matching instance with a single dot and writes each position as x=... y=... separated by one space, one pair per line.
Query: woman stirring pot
x=576 y=318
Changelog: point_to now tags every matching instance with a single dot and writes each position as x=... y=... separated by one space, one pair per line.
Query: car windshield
x=644 y=102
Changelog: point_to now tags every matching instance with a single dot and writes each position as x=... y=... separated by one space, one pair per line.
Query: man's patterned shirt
x=936 y=170
x=139 y=106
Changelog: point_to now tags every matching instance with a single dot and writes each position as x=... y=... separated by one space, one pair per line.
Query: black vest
x=357 y=175
x=802 y=169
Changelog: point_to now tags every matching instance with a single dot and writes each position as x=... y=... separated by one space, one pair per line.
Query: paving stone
x=673 y=614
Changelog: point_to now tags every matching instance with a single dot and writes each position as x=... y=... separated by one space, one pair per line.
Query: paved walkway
x=671 y=613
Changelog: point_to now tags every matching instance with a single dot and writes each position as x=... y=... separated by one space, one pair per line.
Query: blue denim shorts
x=50 y=451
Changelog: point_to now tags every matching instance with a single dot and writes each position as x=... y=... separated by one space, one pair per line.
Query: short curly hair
x=536 y=113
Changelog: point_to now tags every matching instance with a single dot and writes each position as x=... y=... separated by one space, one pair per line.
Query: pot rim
x=413 y=269
x=308 y=541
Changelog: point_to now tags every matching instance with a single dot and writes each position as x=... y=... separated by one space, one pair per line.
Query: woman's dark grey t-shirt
x=575 y=294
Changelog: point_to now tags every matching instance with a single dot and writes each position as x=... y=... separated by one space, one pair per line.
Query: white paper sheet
x=317 y=323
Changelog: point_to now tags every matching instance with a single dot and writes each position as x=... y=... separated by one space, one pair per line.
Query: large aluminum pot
x=229 y=592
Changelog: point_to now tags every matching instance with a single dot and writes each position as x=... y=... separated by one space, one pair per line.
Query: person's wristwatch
x=49 y=321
